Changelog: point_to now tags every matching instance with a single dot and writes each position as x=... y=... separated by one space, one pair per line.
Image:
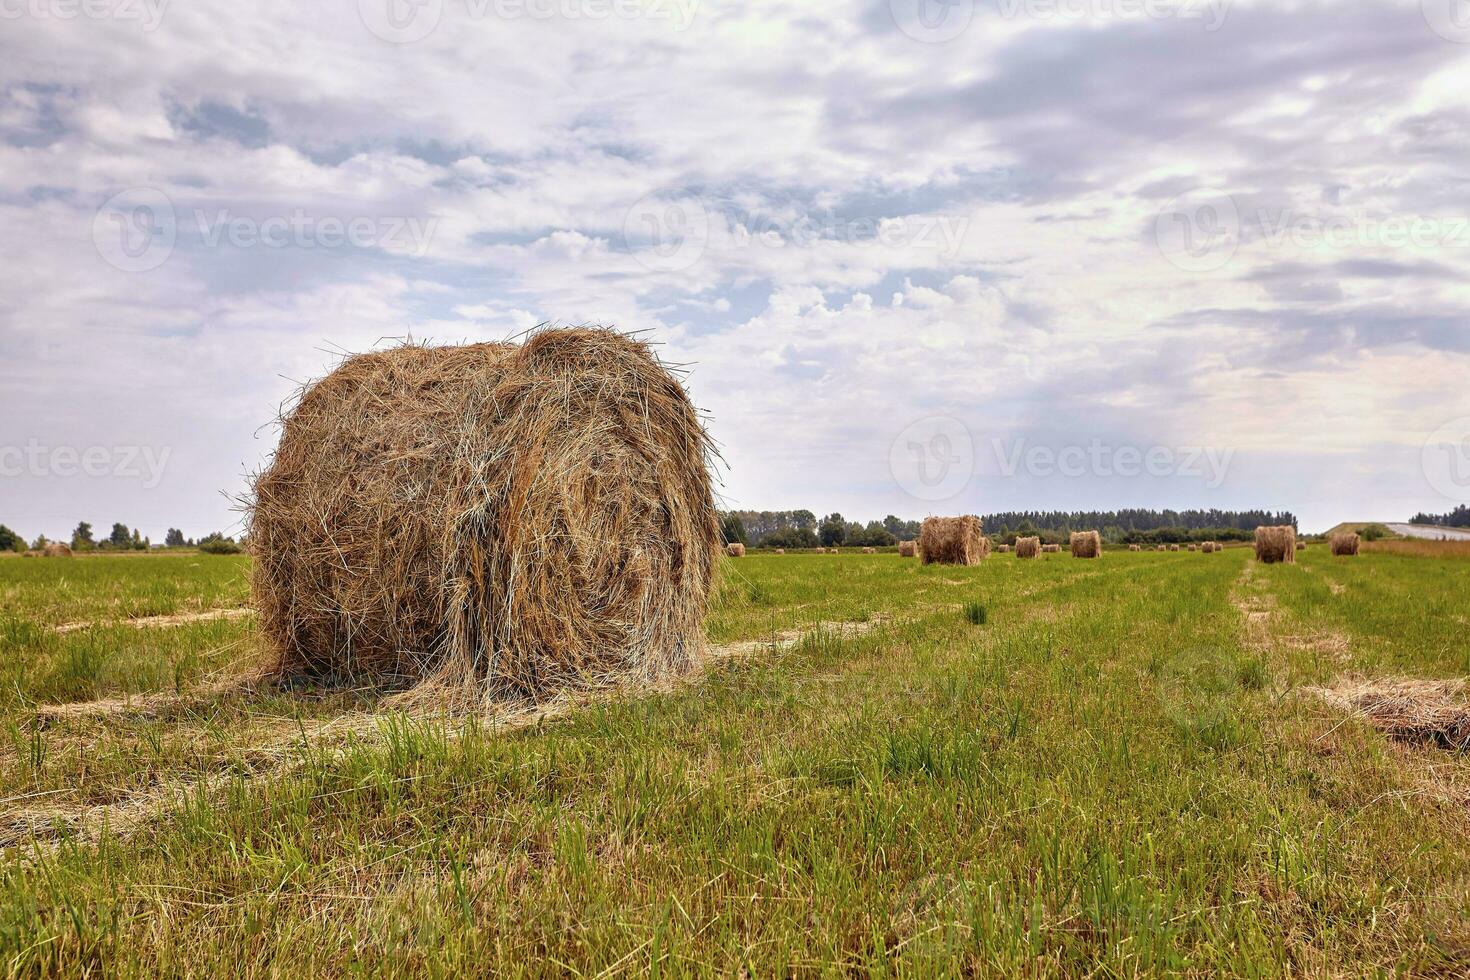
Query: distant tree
x=832 y=531
x=120 y=537
x=877 y=535
x=81 y=538
x=40 y=542
x=791 y=537
x=732 y=530
x=139 y=543
x=10 y=541
x=804 y=520
x=174 y=538
x=218 y=544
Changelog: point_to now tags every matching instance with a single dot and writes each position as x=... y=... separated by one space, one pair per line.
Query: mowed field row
x=1020 y=768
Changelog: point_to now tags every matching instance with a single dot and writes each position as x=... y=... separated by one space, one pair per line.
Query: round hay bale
x=1193 y=548
x=1276 y=544
x=1051 y=549
x=870 y=551
x=780 y=551
x=55 y=549
x=1005 y=549
x=908 y=549
x=952 y=541
x=1028 y=547
x=1086 y=544
x=1345 y=544
x=1135 y=547
x=488 y=521
x=1173 y=547
x=735 y=549
x=1301 y=546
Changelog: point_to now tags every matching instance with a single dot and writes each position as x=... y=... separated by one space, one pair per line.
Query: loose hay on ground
x=1426 y=711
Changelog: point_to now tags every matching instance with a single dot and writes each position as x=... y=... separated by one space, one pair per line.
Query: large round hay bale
x=908 y=549
x=870 y=551
x=1086 y=544
x=1028 y=547
x=1005 y=549
x=488 y=521
x=1345 y=544
x=1135 y=547
x=55 y=549
x=735 y=549
x=952 y=541
x=1173 y=547
x=1276 y=544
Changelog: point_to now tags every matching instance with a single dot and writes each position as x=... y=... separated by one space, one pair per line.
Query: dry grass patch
x=1433 y=712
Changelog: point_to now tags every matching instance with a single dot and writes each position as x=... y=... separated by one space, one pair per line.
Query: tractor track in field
x=156 y=622
x=277 y=745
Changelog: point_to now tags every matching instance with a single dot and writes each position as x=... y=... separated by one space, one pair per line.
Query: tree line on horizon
x=121 y=538
x=1459 y=517
x=803 y=529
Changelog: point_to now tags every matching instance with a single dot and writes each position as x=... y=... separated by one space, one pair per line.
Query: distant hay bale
x=1135 y=547
x=1162 y=547
x=488 y=522
x=1173 y=547
x=1086 y=544
x=780 y=551
x=55 y=549
x=1345 y=544
x=1301 y=546
x=1051 y=549
x=1005 y=549
x=1028 y=547
x=1193 y=548
x=735 y=549
x=952 y=541
x=1207 y=547
x=870 y=551
x=908 y=549
x=1276 y=544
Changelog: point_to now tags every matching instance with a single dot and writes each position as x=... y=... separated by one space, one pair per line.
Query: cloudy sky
x=919 y=256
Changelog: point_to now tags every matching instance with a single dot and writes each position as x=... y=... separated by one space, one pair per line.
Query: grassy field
x=1051 y=767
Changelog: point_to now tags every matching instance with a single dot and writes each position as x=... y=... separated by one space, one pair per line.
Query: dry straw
x=952 y=541
x=1276 y=544
x=1086 y=544
x=908 y=549
x=1005 y=549
x=1162 y=547
x=55 y=549
x=780 y=551
x=1173 y=547
x=1051 y=549
x=1135 y=547
x=735 y=549
x=1028 y=547
x=489 y=521
x=1345 y=544
x=870 y=551
x=1193 y=548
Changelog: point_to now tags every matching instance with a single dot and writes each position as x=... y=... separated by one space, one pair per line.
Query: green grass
x=1114 y=775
